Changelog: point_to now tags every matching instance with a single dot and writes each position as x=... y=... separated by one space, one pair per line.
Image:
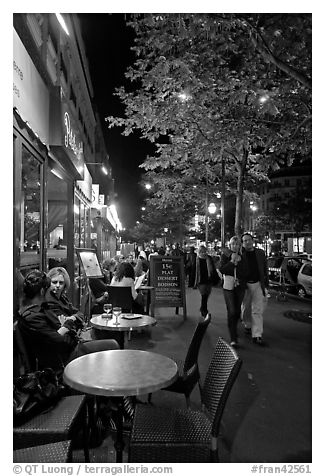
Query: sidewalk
x=268 y=414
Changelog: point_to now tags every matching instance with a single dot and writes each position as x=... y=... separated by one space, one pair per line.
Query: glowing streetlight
x=211 y=208
x=184 y=97
x=148 y=186
x=143 y=208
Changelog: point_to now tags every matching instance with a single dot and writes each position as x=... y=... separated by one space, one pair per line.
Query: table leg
x=119 y=442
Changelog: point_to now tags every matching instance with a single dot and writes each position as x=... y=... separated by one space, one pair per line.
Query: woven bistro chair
x=61 y=422
x=121 y=296
x=58 y=424
x=189 y=374
x=183 y=435
x=59 y=452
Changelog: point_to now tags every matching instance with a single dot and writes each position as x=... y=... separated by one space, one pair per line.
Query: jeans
x=253 y=307
x=233 y=299
x=205 y=291
x=90 y=346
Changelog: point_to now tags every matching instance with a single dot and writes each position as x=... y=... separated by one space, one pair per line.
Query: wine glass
x=117 y=311
x=107 y=309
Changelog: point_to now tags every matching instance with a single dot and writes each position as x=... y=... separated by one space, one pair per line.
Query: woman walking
x=205 y=277
x=233 y=285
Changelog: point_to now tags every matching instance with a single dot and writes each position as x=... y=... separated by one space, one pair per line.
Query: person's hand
x=235 y=258
x=69 y=324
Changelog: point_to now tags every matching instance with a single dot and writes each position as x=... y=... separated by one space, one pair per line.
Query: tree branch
x=270 y=57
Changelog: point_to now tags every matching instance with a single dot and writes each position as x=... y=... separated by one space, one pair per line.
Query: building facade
x=58 y=147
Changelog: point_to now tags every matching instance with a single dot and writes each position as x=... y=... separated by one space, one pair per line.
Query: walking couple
x=245 y=280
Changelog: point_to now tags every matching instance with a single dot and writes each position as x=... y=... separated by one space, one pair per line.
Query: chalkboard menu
x=168 y=278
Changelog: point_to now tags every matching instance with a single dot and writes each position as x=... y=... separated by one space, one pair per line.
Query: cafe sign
x=70 y=140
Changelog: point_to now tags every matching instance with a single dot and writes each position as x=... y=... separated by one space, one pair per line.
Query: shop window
x=57 y=221
x=30 y=211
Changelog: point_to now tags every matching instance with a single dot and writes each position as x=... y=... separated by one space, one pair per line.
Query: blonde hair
x=235 y=238
x=58 y=270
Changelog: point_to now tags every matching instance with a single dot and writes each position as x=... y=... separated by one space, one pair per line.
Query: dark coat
x=62 y=306
x=213 y=277
x=262 y=267
x=227 y=268
x=39 y=325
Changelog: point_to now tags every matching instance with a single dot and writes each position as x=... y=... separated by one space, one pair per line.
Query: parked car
x=283 y=271
x=304 y=280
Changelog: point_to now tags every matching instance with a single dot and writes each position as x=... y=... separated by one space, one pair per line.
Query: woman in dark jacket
x=56 y=294
x=205 y=277
x=50 y=339
x=233 y=285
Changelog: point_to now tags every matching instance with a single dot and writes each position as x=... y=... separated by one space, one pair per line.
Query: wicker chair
x=189 y=374
x=121 y=296
x=183 y=435
x=59 y=452
x=60 y=423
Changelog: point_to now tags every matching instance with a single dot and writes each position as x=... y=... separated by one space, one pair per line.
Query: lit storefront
x=30 y=141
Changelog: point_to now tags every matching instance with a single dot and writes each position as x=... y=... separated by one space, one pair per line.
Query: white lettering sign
x=70 y=137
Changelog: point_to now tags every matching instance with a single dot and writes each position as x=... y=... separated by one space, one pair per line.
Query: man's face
x=248 y=243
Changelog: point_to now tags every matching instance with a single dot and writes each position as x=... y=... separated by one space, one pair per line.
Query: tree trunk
x=240 y=193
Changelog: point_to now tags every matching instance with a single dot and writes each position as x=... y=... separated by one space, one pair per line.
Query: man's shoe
x=258 y=340
x=248 y=330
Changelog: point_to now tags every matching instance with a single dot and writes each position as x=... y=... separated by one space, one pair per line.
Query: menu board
x=89 y=262
x=167 y=276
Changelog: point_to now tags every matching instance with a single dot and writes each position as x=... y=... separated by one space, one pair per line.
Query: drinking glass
x=117 y=311
x=107 y=310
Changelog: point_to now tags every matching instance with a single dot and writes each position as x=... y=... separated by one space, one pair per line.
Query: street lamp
x=211 y=208
x=148 y=186
x=253 y=208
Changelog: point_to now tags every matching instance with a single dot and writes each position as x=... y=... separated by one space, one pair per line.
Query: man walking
x=256 y=273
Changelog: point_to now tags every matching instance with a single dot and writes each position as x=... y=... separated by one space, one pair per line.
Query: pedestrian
x=234 y=285
x=190 y=266
x=205 y=277
x=256 y=271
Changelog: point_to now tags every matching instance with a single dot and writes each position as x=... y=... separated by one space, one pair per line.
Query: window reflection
x=30 y=210
x=57 y=220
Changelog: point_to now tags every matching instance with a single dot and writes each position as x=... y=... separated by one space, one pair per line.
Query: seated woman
x=56 y=294
x=52 y=342
x=124 y=276
x=108 y=267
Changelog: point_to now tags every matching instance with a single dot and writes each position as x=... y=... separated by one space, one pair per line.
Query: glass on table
x=117 y=311
x=107 y=310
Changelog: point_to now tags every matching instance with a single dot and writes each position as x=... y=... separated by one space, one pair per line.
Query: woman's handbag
x=35 y=392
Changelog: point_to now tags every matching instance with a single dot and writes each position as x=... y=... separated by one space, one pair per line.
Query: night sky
x=107 y=42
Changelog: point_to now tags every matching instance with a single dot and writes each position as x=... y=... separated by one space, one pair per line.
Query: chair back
x=221 y=375
x=24 y=362
x=121 y=296
x=195 y=344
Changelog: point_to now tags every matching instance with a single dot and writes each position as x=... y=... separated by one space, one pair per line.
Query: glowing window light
x=62 y=23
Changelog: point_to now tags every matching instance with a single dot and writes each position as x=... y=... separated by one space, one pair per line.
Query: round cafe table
x=125 y=324
x=119 y=373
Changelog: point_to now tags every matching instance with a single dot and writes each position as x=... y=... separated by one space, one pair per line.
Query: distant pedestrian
x=205 y=276
x=256 y=271
x=190 y=266
x=177 y=251
x=234 y=285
